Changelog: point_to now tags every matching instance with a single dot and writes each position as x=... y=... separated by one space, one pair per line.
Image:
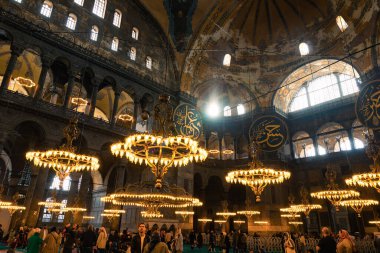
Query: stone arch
x=306 y=72
x=214 y=194
x=303 y=145
x=328 y=134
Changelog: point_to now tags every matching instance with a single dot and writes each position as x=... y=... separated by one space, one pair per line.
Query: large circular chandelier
x=333 y=193
x=359 y=204
x=370 y=179
x=305 y=208
x=152 y=199
x=257 y=176
x=161 y=149
x=64 y=160
x=248 y=213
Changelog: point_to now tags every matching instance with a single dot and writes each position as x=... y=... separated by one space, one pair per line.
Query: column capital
x=117 y=90
x=17 y=48
x=95 y=81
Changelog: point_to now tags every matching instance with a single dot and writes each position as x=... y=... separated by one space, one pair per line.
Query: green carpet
x=204 y=249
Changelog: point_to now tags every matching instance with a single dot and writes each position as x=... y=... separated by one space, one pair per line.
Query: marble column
x=315 y=143
x=119 y=183
x=46 y=63
x=220 y=138
x=351 y=138
x=16 y=51
x=73 y=196
x=82 y=195
x=69 y=90
x=94 y=94
x=136 y=108
x=117 y=93
x=37 y=188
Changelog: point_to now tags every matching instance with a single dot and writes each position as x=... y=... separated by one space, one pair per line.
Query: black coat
x=136 y=243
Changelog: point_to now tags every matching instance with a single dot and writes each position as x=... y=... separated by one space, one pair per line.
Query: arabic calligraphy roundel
x=269 y=131
x=368 y=105
x=187 y=121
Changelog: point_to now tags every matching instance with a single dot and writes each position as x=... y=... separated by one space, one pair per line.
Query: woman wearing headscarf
x=289 y=245
x=345 y=244
x=102 y=240
x=155 y=245
x=51 y=242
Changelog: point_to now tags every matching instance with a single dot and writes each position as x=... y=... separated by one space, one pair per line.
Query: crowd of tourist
x=75 y=239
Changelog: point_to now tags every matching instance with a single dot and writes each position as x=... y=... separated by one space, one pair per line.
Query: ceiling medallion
x=160 y=150
x=257 y=176
x=64 y=160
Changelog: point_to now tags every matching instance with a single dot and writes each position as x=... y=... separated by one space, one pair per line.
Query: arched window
x=333 y=137
x=304 y=49
x=94 y=33
x=61 y=215
x=135 y=33
x=66 y=183
x=100 y=8
x=227 y=60
x=115 y=44
x=342 y=24
x=132 y=54
x=342 y=144
x=240 y=109
x=79 y=2
x=47 y=216
x=47 y=8
x=324 y=89
x=227 y=111
x=18 y=1
x=148 y=62
x=117 y=18
x=358 y=131
x=71 y=21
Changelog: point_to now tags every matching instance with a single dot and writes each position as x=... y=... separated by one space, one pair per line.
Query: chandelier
x=52 y=205
x=290 y=215
x=220 y=221
x=239 y=221
x=376 y=222
x=359 y=204
x=64 y=160
x=257 y=176
x=184 y=214
x=248 y=213
x=25 y=82
x=13 y=207
x=152 y=199
x=88 y=217
x=305 y=207
x=161 y=149
x=333 y=194
x=204 y=220
x=370 y=179
x=225 y=215
x=150 y=214
x=261 y=222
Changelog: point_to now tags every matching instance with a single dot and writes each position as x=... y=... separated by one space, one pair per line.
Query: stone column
x=69 y=90
x=16 y=51
x=95 y=86
x=46 y=63
x=235 y=147
x=136 y=108
x=117 y=93
x=315 y=143
x=220 y=138
x=351 y=138
x=73 y=195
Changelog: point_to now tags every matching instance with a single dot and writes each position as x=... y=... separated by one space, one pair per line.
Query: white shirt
x=142 y=242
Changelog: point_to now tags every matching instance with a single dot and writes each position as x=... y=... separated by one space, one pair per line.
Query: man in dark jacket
x=88 y=239
x=327 y=244
x=140 y=240
x=68 y=245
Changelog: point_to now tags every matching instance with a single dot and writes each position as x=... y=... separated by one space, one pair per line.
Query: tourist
x=327 y=243
x=227 y=243
x=199 y=240
x=34 y=242
x=302 y=243
x=102 y=240
x=51 y=242
x=345 y=244
x=155 y=245
x=69 y=239
x=88 y=239
x=179 y=242
x=192 y=239
x=212 y=241
x=289 y=245
x=140 y=240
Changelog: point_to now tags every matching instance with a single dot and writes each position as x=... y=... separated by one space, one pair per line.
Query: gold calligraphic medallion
x=187 y=121
x=269 y=132
x=368 y=105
